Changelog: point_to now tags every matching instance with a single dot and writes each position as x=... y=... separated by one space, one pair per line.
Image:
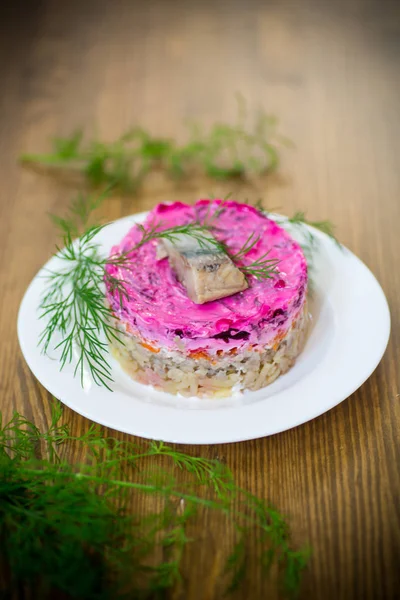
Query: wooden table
x=330 y=71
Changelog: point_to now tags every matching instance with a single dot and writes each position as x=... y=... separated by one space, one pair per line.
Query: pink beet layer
x=159 y=311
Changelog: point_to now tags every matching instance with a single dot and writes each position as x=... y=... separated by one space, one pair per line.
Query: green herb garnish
x=261 y=268
x=201 y=232
x=70 y=528
x=249 y=244
x=73 y=306
x=224 y=152
x=299 y=219
x=299 y=222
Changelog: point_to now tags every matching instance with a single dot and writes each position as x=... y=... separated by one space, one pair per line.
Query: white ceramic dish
x=348 y=336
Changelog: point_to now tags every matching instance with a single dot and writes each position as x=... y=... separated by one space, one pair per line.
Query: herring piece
x=206 y=273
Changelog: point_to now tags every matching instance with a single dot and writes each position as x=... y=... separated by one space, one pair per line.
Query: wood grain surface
x=331 y=72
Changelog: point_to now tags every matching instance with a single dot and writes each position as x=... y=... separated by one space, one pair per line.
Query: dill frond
x=223 y=152
x=68 y=528
x=299 y=224
x=262 y=268
x=299 y=219
x=249 y=244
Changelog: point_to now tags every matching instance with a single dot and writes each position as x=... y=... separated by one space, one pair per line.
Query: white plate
x=348 y=336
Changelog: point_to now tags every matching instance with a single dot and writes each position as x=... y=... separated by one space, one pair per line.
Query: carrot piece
x=197 y=354
x=278 y=340
x=149 y=347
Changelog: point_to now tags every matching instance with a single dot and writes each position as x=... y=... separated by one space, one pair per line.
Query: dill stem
x=51 y=160
x=167 y=491
x=144 y=487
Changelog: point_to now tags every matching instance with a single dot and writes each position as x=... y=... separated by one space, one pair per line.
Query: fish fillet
x=206 y=273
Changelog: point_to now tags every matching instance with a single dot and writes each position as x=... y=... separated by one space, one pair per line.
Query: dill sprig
x=262 y=268
x=68 y=528
x=73 y=306
x=224 y=152
x=299 y=219
x=248 y=245
x=80 y=212
x=201 y=232
x=299 y=224
x=77 y=321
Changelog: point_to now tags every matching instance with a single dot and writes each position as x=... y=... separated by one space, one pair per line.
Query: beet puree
x=159 y=310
